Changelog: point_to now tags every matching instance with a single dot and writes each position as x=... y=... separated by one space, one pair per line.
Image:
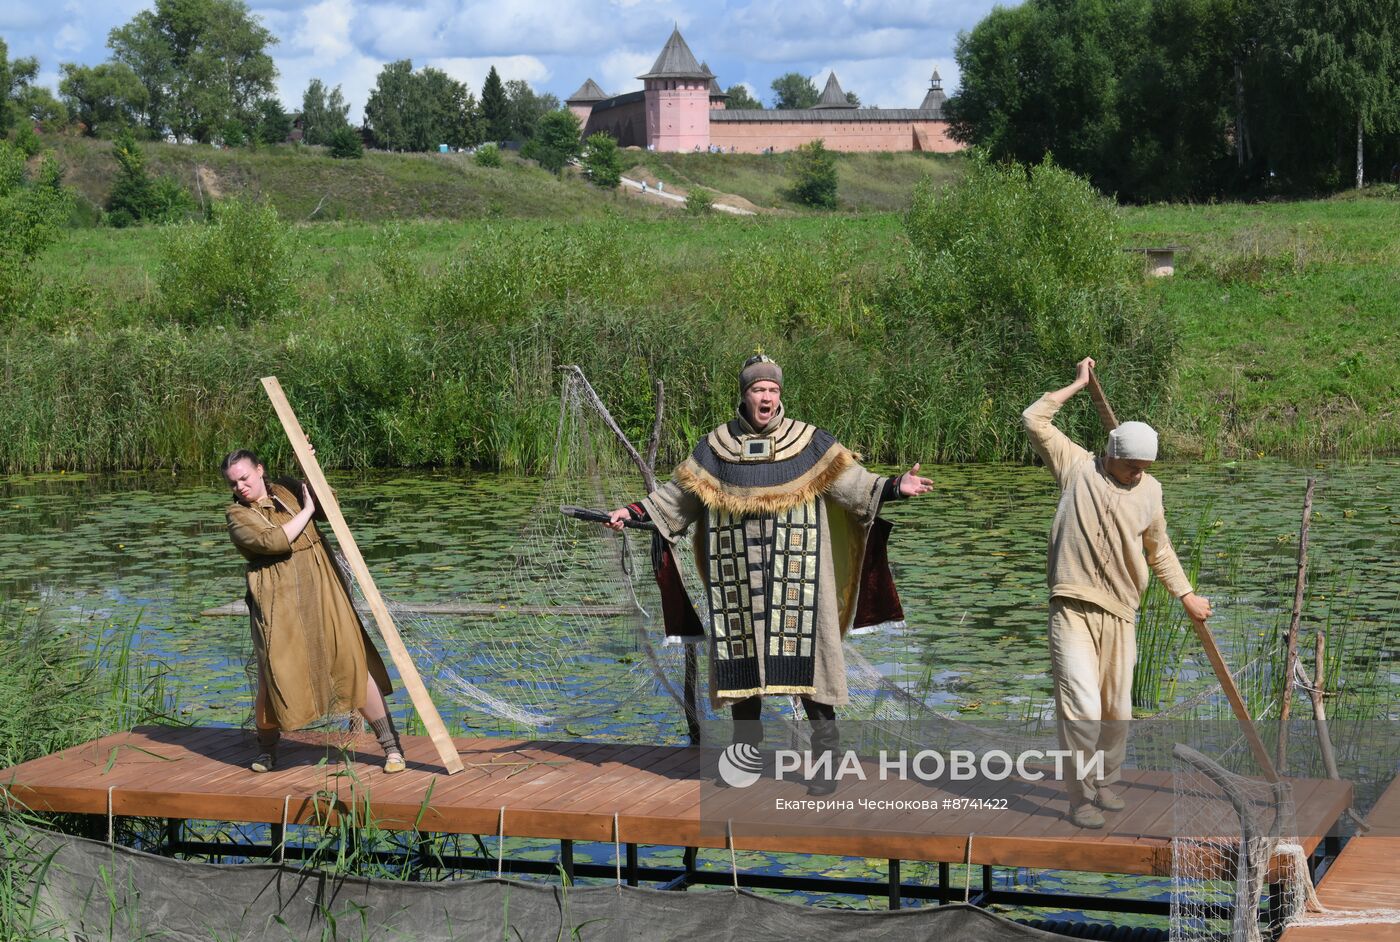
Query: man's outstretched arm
x=1054 y=447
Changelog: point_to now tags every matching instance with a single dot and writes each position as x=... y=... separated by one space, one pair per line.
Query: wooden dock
x=581 y=791
x=1365 y=876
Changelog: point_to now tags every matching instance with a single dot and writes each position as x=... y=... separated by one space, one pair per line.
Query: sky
x=883 y=50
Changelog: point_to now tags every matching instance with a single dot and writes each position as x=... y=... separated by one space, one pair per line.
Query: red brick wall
x=752 y=137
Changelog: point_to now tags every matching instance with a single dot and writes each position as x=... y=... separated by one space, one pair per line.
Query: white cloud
x=325 y=29
x=473 y=70
x=618 y=71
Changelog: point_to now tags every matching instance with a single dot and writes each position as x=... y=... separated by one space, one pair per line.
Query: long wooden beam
x=1217 y=661
x=408 y=673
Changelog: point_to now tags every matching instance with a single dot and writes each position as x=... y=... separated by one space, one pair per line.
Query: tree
x=495 y=108
x=274 y=124
x=204 y=64
x=1048 y=77
x=602 y=161
x=853 y=99
x=794 y=90
x=103 y=98
x=1349 y=51
x=814 y=175
x=526 y=108
x=740 y=99
x=417 y=111
x=556 y=140
x=322 y=114
x=135 y=197
x=345 y=143
x=16 y=79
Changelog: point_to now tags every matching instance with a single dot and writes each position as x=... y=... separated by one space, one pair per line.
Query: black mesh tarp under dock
x=77 y=889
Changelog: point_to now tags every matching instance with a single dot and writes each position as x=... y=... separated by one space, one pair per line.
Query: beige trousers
x=1092 y=654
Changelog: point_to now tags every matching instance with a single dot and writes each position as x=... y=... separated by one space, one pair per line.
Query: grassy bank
x=305 y=183
x=436 y=342
x=439 y=343
x=1288 y=322
x=882 y=182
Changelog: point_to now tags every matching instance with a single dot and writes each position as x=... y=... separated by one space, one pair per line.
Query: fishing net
x=1228 y=829
x=572 y=629
x=1239 y=871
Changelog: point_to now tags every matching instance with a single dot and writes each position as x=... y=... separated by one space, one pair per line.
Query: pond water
x=150 y=553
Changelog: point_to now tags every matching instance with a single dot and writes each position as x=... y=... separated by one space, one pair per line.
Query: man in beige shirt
x=1109 y=529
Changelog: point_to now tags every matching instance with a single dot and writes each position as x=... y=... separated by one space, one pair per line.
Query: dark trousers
x=748 y=722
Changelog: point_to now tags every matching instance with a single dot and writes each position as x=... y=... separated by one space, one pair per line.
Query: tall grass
x=920 y=343
x=61 y=686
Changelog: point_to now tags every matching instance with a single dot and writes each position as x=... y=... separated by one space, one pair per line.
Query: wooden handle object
x=1217 y=662
x=408 y=673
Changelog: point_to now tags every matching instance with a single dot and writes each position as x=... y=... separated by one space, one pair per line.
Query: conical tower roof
x=588 y=91
x=676 y=61
x=715 y=90
x=934 y=98
x=832 y=95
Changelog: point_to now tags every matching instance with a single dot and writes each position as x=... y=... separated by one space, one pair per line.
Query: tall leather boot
x=826 y=741
x=747 y=730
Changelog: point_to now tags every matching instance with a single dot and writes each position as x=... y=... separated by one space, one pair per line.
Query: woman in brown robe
x=314 y=658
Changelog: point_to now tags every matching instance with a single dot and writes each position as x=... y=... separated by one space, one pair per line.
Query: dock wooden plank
x=1365 y=876
x=573 y=790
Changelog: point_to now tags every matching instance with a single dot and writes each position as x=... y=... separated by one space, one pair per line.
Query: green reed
x=439 y=344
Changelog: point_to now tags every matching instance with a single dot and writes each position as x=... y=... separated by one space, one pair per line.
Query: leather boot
x=826 y=741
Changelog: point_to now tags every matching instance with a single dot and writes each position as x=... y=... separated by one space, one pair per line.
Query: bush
x=237 y=268
x=699 y=201
x=555 y=142
x=136 y=197
x=345 y=143
x=1016 y=273
x=487 y=155
x=602 y=160
x=813 y=170
x=34 y=208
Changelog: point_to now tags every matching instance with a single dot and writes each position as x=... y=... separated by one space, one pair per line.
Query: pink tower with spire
x=677 y=93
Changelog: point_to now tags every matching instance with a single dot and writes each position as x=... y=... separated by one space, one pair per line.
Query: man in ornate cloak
x=786 y=541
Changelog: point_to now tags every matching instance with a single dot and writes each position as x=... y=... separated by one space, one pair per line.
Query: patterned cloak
x=785 y=537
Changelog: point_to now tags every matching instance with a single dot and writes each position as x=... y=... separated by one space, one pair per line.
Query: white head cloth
x=1134 y=441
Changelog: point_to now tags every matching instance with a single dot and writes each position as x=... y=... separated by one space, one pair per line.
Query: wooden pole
x=1106 y=416
x=1217 y=662
x=408 y=673
x=1290 y=661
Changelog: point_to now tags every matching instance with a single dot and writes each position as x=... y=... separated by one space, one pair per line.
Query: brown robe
x=313 y=653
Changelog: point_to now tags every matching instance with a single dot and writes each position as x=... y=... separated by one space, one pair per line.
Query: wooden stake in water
x=1222 y=671
x=1290 y=661
x=408 y=673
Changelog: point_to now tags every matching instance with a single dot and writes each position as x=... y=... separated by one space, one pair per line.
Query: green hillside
x=305 y=184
